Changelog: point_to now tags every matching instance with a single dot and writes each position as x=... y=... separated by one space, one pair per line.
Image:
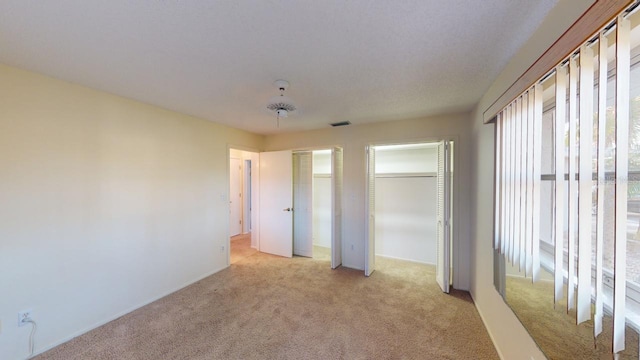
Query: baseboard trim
x=125 y=312
x=484 y=322
x=408 y=260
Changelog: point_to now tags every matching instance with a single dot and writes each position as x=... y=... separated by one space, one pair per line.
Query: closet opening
x=409 y=197
x=322 y=201
x=314 y=198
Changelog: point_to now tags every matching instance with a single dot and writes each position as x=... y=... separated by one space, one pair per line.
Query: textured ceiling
x=360 y=60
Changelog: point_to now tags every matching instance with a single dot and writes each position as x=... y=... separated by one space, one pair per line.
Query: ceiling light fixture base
x=281 y=105
x=281 y=84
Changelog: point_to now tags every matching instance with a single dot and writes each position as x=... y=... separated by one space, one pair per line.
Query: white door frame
x=247 y=199
x=455 y=203
x=236 y=199
x=337 y=230
x=255 y=197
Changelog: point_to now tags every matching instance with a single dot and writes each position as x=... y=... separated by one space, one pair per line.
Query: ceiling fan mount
x=282 y=106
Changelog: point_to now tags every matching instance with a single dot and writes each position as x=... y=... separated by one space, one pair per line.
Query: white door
x=255 y=200
x=444 y=216
x=369 y=254
x=235 y=196
x=302 y=203
x=276 y=202
x=336 y=208
x=246 y=203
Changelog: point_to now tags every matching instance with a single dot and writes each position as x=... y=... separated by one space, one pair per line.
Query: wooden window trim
x=597 y=16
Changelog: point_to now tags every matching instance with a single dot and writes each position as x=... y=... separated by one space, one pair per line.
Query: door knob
x=287 y=209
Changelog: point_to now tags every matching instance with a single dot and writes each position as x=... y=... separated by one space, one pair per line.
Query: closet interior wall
x=405 y=207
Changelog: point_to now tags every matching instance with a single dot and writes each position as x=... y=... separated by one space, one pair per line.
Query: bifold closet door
x=369 y=255
x=336 y=208
x=443 y=216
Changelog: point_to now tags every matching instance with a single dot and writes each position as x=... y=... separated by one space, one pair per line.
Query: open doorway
x=322 y=201
x=312 y=203
x=316 y=199
x=288 y=208
x=242 y=188
x=406 y=206
x=236 y=196
x=291 y=203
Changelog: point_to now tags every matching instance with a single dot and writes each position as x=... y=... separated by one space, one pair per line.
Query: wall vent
x=341 y=123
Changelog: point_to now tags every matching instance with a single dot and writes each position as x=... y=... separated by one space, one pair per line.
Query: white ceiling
x=358 y=60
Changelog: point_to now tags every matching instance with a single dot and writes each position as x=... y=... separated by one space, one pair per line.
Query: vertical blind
x=578 y=175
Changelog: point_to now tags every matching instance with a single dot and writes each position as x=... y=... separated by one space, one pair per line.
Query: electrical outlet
x=222 y=248
x=351 y=247
x=22 y=315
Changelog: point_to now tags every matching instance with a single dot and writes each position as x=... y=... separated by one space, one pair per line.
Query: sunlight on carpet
x=269 y=307
x=241 y=247
x=554 y=330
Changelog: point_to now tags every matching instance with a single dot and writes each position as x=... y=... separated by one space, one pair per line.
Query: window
x=568 y=177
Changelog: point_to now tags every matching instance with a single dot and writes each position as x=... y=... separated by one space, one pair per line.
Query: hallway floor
x=241 y=247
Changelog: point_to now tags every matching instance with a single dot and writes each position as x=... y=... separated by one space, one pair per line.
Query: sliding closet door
x=369 y=255
x=444 y=216
x=336 y=208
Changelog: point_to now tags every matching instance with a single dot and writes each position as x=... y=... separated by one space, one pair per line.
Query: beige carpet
x=241 y=247
x=267 y=307
x=555 y=331
x=321 y=253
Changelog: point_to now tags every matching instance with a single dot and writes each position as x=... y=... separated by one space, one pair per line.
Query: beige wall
x=354 y=140
x=509 y=336
x=105 y=205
